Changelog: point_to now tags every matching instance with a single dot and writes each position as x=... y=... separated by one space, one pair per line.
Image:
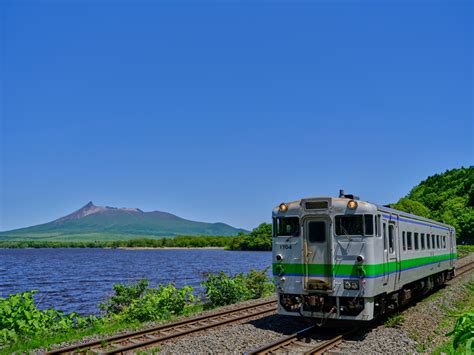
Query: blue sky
x=218 y=111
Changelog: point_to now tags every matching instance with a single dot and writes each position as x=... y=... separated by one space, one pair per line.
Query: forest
x=446 y=197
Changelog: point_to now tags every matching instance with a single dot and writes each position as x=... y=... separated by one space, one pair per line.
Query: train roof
x=379 y=207
x=411 y=215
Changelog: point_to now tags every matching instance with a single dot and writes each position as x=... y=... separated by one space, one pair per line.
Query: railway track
x=300 y=342
x=465 y=268
x=129 y=342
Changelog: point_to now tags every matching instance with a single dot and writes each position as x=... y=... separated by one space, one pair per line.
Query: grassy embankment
x=461 y=319
x=464 y=250
x=24 y=327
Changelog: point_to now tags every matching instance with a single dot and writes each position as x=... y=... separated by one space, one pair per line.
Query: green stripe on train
x=353 y=269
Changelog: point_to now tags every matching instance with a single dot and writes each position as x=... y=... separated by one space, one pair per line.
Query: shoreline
x=124 y=248
x=168 y=248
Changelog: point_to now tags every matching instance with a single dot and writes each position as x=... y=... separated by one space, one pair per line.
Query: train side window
x=417 y=244
x=422 y=238
x=404 y=241
x=428 y=242
x=377 y=226
x=433 y=246
x=437 y=242
x=444 y=242
x=317 y=232
x=409 y=241
x=390 y=238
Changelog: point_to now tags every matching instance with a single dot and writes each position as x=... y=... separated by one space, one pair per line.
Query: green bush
x=124 y=296
x=259 y=283
x=19 y=317
x=463 y=333
x=221 y=289
x=158 y=303
x=138 y=302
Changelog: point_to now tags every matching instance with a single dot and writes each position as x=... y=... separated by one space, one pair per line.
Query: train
x=338 y=259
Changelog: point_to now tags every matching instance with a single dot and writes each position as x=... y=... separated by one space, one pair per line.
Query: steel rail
x=463 y=269
x=293 y=338
x=277 y=344
x=258 y=309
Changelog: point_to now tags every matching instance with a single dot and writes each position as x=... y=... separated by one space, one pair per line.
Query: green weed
x=395 y=321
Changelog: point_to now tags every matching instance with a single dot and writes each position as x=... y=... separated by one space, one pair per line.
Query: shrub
x=259 y=283
x=124 y=296
x=19 y=317
x=221 y=289
x=158 y=303
x=138 y=302
x=463 y=333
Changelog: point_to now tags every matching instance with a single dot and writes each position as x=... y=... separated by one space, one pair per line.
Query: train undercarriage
x=347 y=307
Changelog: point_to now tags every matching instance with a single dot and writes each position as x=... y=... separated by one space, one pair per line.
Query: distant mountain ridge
x=91 y=221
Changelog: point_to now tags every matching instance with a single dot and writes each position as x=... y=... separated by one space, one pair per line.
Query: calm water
x=78 y=279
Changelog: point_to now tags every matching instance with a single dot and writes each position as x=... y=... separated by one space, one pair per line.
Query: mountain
x=93 y=222
x=446 y=197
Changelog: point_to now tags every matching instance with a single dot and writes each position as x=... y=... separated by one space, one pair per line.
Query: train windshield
x=355 y=225
x=289 y=226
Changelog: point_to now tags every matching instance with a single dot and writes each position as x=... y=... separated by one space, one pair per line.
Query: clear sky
x=218 y=111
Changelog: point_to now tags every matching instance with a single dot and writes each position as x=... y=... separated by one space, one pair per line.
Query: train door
x=386 y=271
x=317 y=253
x=394 y=264
x=451 y=247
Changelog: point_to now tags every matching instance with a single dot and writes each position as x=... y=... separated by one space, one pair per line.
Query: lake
x=79 y=279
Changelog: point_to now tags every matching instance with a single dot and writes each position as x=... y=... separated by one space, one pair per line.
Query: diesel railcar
x=347 y=259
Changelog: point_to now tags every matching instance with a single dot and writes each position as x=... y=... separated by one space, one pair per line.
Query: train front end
x=318 y=267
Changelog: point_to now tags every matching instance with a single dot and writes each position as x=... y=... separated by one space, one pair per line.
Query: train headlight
x=279 y=257
x=352 y=204
x=283 y=207
x=351 y=284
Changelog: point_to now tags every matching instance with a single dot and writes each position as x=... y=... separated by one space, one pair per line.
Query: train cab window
x=391 y=249
x=287 y=227
x=368 y=224
x=317 y=232
x=409 y=241
x=404 y=241
x=422 y=239
x=349 y=225
x=417 y=241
